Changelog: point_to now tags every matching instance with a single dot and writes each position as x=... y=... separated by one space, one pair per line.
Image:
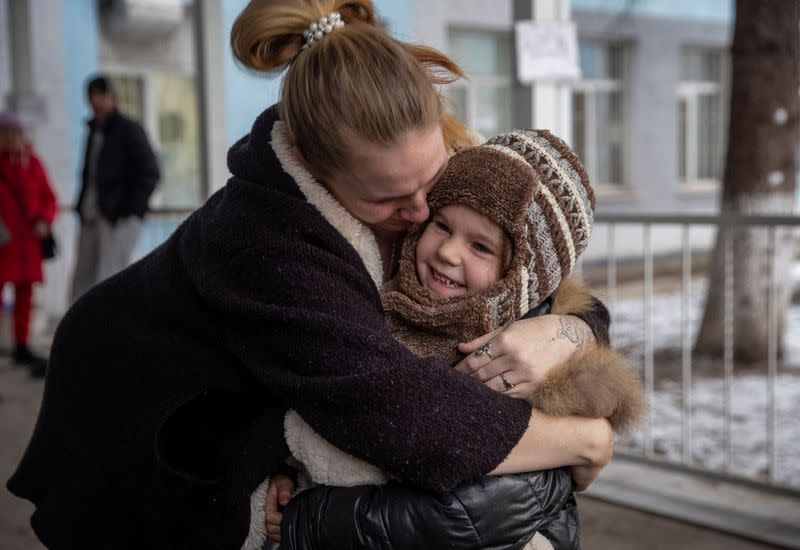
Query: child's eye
x=441 y=226
x=482 y=248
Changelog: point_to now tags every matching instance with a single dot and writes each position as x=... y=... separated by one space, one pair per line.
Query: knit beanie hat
x=532 y=185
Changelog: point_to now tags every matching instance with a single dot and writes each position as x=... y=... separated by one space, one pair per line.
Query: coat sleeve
x=142 y=161
x=312 y=330
x=491 y=512
x=573 y=298
x=598 y=319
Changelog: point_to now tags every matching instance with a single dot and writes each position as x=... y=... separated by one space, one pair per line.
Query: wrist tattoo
x=571 y=332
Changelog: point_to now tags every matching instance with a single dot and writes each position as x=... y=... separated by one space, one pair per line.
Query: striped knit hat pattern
x=558 y=221
x=531 y=184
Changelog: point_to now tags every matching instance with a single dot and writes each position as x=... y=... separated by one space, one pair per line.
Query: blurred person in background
x=120 y=173
x=27 y=207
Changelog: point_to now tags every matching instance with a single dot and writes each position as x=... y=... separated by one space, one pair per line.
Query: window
x=483 y=102
x=166 y=105
x=598 y=121
x=701 y=115
x=130 y=96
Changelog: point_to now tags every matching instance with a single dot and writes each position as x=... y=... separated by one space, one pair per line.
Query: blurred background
x=693 y=249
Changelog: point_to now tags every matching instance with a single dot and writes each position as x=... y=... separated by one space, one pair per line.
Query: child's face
x=460 y=252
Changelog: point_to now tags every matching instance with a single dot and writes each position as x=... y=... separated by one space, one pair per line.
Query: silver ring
x=485 y=349
x=506 y=383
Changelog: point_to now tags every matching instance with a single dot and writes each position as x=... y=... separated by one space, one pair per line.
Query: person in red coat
x=27 y=208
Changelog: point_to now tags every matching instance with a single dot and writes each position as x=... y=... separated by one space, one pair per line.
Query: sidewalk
x=605 y=526
x=19 y=404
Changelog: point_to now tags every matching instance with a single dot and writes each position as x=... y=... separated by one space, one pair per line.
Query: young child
x=509 y=219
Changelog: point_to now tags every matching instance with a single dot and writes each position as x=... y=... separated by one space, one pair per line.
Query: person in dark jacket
x=163 y=411
x=120 y=173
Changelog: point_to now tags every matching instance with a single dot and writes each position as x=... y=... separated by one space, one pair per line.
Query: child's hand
x=519 y=356
x=279 y=493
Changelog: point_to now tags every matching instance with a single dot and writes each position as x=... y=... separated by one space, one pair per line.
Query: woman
x=27 y=208
x=164 y=403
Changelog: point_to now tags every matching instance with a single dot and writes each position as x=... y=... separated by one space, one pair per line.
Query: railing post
x=686 y=349
x=648 y=336
x=611 y=275
x=727 y=354
x=772 y=358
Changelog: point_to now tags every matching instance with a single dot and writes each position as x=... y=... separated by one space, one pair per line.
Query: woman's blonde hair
x=356 y=83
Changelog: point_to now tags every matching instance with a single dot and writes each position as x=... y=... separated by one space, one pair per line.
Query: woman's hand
x=514 y=359
x=279 y=493
x=583 y=476
x=598 y=457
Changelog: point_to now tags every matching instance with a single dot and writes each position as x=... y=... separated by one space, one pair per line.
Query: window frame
x=472 y=83
x=589 y=88
x=689 y=93
x=150 y=121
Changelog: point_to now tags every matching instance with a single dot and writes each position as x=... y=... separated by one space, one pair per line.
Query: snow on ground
x=627 y=327
x=748 y=394
x=748 y=425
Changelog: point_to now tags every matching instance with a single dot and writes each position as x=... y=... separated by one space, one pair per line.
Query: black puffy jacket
x=494 y=512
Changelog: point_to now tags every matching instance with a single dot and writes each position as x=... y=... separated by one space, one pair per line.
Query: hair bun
x=357 y=11
x=268 y=34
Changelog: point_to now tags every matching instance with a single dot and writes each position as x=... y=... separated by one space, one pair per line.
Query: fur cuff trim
x=571 y=297
x=354 y=231
x=597 y=382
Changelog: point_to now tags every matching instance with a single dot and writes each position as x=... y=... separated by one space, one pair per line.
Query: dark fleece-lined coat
x=168 y=383
x=164 y=404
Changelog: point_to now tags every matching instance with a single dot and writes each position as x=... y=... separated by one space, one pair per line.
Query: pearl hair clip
x=318 y=29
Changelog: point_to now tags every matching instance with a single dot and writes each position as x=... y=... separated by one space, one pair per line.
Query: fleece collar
x=360 y=237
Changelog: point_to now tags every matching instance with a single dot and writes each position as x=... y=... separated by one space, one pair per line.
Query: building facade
x=649 y=112
x=648 y=116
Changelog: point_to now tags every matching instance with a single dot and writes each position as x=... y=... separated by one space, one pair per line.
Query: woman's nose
x=417 y=209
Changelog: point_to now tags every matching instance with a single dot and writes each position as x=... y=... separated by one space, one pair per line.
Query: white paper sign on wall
x=546 y=51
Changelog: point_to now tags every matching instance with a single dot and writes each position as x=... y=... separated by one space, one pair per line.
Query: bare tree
x=759 y=173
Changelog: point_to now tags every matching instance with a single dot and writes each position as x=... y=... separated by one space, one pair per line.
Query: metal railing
x=645 y=450
x=161 y=223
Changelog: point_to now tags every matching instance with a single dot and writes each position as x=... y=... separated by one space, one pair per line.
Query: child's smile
x=440 y=279
x=459 y=252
